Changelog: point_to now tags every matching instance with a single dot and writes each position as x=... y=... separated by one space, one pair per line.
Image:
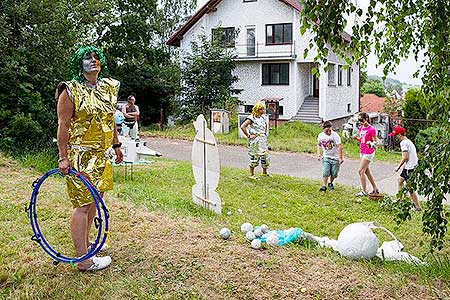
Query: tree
x=396 y=29
x=37 y=39
x=392 y=106
x=363 y=78
x=174 y=13
x=136 y=57
x=207 y=78
x=372 y=86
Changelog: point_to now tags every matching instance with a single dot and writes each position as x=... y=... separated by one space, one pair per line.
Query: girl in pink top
x=367 y=139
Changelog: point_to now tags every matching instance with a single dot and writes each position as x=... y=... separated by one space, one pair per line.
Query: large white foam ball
x=272 y=239
x=225 y=233
x=246 y=227
x=250 y=236
x=264 y=228
x=357 y=241
x=256 y=244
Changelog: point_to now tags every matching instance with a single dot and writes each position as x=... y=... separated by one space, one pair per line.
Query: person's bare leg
x=78 y=229
x=415 y=200
x=324 y=181
x=252 y=171
x=264 y=170
x=371 y=178
x=400 y=182
x=363 y=164
x=91 y=216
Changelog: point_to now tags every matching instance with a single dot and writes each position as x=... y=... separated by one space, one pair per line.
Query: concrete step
x=310 y=109
x=308 y=115
x=312 y=98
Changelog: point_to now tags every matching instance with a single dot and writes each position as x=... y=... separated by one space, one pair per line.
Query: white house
x=270 y=59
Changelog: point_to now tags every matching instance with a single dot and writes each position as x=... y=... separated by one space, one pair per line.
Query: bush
x=424 y=137
x=373 y=86
x=413 y=111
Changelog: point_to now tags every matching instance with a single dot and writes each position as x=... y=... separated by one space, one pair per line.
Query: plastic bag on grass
x=284 y=236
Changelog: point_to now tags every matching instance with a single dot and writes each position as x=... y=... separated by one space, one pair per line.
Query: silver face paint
x=91 y=63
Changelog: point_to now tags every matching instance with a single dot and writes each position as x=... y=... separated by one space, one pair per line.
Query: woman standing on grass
x=258 y=148
x=367 y=141
x=86 y=129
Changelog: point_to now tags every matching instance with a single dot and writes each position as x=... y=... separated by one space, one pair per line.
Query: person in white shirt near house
x=329 y=142
x=409 y=160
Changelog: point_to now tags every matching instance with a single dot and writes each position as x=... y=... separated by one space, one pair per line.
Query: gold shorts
x=96 y=167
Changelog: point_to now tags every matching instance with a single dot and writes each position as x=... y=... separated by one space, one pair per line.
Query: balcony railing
x=261 y=50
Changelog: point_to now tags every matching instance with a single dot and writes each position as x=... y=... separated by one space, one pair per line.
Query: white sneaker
x=361 y=194
x=99 y=263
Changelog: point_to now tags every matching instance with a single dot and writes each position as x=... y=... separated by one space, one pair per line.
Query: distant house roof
x=372 y=103
x=210 y=6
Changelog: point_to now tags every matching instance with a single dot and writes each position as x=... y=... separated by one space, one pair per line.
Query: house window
x=349 y=107
x=225 y=35
x=280 y=110
x=349 y=77
x=279 y=34
x=331 y=74
x=339 y=75
x=275 y=74
x=250 y=0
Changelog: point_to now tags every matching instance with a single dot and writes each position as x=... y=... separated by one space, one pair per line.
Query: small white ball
x=228 y=213
x=225 y=233
x=256 y=244
x=272 y=240
x=264 y=228
x=246 y=227
x=250 y=236
x=239 y=210
x=258 y=232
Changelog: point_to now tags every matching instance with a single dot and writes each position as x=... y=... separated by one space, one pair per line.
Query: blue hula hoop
x=102 y=220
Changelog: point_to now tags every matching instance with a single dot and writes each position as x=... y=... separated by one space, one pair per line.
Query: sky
x=404 y=71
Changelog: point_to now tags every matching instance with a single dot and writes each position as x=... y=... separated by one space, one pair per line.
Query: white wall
x=250 y=74
x=337 y=97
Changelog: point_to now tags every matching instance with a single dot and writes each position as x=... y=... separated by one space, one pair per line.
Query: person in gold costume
x=86 y=129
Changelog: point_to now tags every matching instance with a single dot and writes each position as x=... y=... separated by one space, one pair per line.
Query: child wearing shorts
x=329 y=150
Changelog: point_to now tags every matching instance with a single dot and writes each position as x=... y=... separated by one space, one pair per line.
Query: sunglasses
x=361 y=120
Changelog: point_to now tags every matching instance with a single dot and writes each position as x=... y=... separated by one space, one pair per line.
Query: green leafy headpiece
x=76 y=63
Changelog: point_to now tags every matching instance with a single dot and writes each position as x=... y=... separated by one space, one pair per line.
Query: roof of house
x=372 y=103
x=210 y=6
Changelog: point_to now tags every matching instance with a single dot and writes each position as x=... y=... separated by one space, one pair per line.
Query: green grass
x=293 y=137
x=164 y=187
x=42 y=161
x=289 y=202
